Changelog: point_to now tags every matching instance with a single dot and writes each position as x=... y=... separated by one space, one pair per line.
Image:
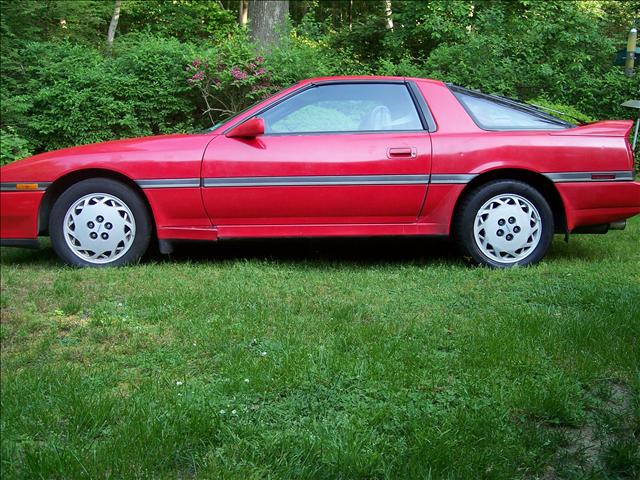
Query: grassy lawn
x=324 y=359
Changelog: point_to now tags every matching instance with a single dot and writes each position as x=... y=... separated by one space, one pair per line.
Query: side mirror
x=249 y=129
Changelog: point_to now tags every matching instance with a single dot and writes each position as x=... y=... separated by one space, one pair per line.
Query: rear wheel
x=99 y=222
x=504 y=223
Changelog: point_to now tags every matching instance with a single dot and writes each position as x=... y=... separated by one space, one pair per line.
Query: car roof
x=366 y=78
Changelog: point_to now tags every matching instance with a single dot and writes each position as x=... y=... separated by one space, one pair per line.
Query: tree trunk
x=243 y=12
x=111 y=33
x=387 y=13
x=267 y=20
x=336 y=14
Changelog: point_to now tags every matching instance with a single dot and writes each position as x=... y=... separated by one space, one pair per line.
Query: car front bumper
x=19 y=215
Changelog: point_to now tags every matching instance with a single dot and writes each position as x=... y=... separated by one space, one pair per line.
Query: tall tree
x=387 y=13
x=111 y=34
x=243 y=12
x=268 y=20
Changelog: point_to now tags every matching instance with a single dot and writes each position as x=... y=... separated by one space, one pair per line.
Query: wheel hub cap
x=507 y=228
x=99 y=228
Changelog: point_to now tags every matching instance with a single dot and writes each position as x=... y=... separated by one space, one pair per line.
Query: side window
x=491 y=114
x=348 y=107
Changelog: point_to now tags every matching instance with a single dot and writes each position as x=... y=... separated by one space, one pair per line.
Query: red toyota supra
x=339 y=156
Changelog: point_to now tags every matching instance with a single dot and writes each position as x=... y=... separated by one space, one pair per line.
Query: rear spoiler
x=607 y=128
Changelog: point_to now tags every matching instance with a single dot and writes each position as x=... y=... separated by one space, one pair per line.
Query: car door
x=332 y=153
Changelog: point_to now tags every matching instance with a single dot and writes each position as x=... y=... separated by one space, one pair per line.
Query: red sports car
x=340 y=156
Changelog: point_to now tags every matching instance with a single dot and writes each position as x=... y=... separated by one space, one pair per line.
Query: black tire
x=141 y=233
x=463 y=228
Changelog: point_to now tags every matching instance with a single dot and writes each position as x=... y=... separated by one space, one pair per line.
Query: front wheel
x=99 y=222
x=504 y=223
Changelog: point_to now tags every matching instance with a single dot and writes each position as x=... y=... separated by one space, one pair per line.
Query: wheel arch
x=538 y=181
x=64 y=182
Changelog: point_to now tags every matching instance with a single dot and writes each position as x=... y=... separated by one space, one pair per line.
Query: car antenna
x=541 y=107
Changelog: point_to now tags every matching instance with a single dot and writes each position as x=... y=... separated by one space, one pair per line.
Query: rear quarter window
x=494 y=113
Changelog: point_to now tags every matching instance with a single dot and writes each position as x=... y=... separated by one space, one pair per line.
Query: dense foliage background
x=180 y=65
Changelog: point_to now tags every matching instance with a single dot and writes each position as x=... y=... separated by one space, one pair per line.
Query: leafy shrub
x=227 y=89
x=78 y=95
x=369 y=36
x=601 y=96
x=12 y=146
x=298 y=58
x=404 y=67
x=161 y=101
x=230 y=76
x=552 y=49
x=79 y=20
x=184 y=19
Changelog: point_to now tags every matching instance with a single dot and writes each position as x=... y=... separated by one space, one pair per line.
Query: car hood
x=161 y=153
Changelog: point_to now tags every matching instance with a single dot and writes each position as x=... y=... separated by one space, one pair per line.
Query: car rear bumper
x=19 y=215
x=590 y=203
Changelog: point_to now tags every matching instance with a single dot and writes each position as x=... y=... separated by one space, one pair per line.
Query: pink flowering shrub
x=227 y=89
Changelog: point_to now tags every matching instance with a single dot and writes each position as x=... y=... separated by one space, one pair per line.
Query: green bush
x=558 y=50
x=182 y=19
x=12 y=146
x=601 y=96
x=228 y=79
x=66 y=94
x=78 y=96
x=231 y=75
x=161 y=100
x=299 y=58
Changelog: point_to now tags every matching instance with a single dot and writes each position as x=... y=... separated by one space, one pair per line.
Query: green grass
x=324 y=359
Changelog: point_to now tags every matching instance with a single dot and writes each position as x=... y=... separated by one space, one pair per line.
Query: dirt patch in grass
x=621 y=398
x=587 y=446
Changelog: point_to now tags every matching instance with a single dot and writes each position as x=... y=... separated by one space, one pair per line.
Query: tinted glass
x=345 y=108
x=493 y=114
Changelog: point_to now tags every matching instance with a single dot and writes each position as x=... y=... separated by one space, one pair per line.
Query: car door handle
x=402 y=152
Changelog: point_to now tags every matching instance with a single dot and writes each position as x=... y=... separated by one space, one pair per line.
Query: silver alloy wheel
x=99 y=228
x=507 y=228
